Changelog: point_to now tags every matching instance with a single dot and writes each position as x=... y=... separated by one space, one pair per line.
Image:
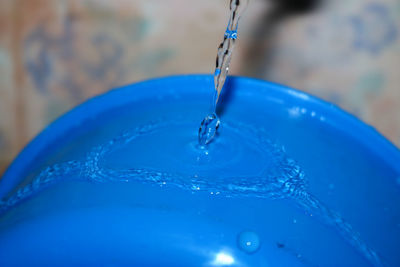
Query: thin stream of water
x=210 y=123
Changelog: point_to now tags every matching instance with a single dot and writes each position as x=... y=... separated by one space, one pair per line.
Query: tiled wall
x=55 y=54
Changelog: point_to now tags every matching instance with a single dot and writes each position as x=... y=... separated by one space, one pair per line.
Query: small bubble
x=294 y=221
x=248 y=242
x=294 y=112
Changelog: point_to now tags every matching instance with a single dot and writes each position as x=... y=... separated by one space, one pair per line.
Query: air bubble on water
x=248 y=241
x=294 y=112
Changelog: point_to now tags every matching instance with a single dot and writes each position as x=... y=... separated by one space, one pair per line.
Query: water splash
x=209 y=125
x=208 y=128
x=282 y=179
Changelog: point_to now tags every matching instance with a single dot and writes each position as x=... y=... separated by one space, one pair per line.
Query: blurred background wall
x=54 y=54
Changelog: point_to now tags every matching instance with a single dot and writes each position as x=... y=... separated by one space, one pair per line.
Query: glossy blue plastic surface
x=290 y=181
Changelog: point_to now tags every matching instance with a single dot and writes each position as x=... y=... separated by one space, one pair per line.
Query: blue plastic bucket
x=290 y=181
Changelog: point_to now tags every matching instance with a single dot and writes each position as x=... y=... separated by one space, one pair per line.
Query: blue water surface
x=288 y=181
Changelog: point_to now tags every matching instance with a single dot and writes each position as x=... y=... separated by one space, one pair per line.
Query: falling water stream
x=210 y=123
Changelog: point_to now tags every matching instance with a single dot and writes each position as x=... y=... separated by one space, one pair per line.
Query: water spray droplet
x=248 y=242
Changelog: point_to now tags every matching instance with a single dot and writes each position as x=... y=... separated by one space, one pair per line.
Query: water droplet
x=208 y=129
x=248 y=242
